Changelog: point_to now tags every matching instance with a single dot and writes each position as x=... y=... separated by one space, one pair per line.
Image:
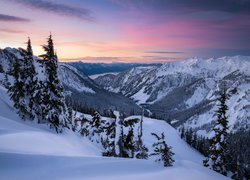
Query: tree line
x=226 y=153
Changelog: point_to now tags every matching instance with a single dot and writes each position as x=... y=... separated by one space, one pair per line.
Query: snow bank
x=96 y=168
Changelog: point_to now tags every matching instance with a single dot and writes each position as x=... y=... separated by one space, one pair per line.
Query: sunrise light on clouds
x=129 y=30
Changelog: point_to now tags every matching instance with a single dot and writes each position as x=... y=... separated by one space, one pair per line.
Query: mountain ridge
x=183 y=91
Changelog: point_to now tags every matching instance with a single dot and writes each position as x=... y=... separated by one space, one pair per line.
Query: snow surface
x=32 y=151
x=72 y=79
x=140 y=97
x=103 y=74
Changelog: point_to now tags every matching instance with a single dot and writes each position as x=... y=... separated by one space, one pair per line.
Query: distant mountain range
x=100 y=68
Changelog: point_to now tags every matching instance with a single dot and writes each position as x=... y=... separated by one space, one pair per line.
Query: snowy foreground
x=32 y=151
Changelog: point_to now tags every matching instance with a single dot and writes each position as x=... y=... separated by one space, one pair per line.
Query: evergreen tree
x=29 y=48
x=119 y=136
x=162 y=151
x=1 y=68
x=218 y=145
x=16 y=90
x=84 y=125
x=238 y=155
x=141 y=149
x=141 y=152
x=194 y=140
x=113 y=143
x=71 y=116
x=54 y=110
x=96 y=120
x=41 y=100
x=129 y=139
x=25 y=83
x=6 y=82
x=109 y=141
x=182 y=132
x=189 y=136
x=95 y=128
x=30 y=80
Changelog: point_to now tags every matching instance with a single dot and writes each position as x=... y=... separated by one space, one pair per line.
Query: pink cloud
x=186 y=33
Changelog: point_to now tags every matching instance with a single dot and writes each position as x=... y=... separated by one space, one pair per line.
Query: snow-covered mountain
x=100 y=68
x=33 y=151
x=185 y=92
x=79 y=88
x=83 y=90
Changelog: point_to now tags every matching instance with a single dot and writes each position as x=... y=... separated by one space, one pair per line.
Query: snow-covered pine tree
x=41 y=100
x=16 y=89
x=162 y=151
x=55 y=109
x=218 y=144
x=95 y=128
x=84 y=125
x=29 y=48
x=109 y=141
x=29 y=79
x=141 y=149
x=71 y=116
x=6 y=82
x=96 y=120
x=119 y=143
x=129 y=139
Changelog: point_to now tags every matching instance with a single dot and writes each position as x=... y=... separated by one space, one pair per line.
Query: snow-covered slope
x=32 y=151
x=74 y=79
x=186 y=91
x=80 y=89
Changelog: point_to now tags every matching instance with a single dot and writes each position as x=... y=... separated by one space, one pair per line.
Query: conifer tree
x=141 y=149
x=25 y=83
x=29 y=48
x=162 y=151
x=29 y=79
x=119 y=141
x=16 y=90
x=129 y=138
x=182 y=130
x=71 y=116
x=96 y=120
x=1 y=68
x=55 y=110
x=84 y=125
x=218 y=145
x=109 y=142
x=95 y=127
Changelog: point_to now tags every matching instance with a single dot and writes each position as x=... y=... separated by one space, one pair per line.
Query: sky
x=145 y=31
